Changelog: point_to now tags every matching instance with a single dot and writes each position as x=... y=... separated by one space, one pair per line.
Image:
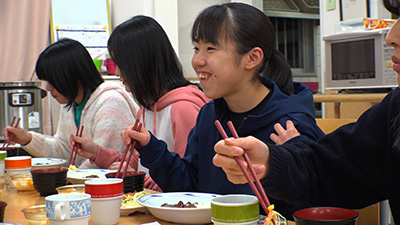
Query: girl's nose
x=198 y=60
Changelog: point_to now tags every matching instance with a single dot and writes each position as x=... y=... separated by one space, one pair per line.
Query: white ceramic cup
x=17 y=165
x=68 y=209
x=106 y=197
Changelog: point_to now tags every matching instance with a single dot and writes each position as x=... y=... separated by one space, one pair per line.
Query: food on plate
x=72 y=167
x=130 y=199
x=274 y=218
x=39 y=164
x=92 y=176
x=180 y=204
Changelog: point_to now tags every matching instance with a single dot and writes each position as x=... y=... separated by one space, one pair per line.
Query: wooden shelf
x=349 y=97
x=347 y=106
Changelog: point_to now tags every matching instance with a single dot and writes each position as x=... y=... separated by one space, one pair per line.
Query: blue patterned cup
x=68 y=209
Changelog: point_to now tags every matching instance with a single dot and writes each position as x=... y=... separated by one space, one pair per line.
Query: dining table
x=17 y=200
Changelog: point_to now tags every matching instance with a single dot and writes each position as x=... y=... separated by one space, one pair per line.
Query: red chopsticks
x=72 y=157
x=5 y=144
x=260 y=193
x=129 y=148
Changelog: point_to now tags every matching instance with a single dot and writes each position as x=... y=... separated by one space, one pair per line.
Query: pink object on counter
x=110 y=65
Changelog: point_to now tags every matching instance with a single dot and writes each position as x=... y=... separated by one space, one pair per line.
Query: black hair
x=247 y=27
x=392 y=6
x=68 y=66
x=147 y=61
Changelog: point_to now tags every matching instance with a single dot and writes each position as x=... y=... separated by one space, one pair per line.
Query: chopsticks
x=260 y=193
x=129 y=148
x=6 y=143
x=72 y=157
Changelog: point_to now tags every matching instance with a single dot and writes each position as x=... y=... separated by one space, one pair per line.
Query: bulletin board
x=86 y=21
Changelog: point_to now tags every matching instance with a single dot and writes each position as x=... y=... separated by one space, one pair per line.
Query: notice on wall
x=353 y=9
x=93 y=37
x=330 y=5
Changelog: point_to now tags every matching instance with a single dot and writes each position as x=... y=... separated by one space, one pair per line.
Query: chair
x=369 y=215
x=329 y=125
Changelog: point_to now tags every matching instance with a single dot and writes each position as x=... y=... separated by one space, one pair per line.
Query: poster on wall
x=85 y=21
x=93 y=37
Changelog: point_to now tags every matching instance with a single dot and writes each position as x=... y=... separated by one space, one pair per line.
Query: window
x=296 y=39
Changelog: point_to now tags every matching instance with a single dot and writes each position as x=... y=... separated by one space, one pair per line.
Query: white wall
x=328 y=19
x=175 y=16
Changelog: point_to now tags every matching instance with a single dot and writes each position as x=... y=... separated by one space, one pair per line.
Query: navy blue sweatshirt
x=196 y=172
x=355 y=166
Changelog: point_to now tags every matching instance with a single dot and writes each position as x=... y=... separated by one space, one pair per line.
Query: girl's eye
x=195 y=48
x=210 y=48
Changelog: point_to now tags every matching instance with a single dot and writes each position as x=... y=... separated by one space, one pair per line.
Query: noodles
x=274 y=218
x=130 y=199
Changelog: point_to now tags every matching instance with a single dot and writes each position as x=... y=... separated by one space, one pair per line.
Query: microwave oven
x=359 y=60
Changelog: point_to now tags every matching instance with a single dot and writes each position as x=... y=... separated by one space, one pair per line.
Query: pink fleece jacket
x=170 y=119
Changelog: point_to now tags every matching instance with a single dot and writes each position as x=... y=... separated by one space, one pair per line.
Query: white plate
x=79 y=176
x=45 y=163
x=129 y=210
x=199 y=215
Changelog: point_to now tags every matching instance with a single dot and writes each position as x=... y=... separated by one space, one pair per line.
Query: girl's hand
x=142 y=137
x=87 y=148
x=115 y=166
x=284 y=135
x=17 y=135
x=257 y=151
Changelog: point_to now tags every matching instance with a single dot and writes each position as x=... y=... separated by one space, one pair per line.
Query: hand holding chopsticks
x=259 y=190
x=129 y=148
x=72 y=157
x=6 y=143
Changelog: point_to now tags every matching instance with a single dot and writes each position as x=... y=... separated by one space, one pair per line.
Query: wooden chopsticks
x=260 y=193
x=129 y=148
x=72 y=157
x=6 y=143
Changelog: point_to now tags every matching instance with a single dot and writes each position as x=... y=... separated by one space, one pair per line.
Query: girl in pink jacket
x=149 y=68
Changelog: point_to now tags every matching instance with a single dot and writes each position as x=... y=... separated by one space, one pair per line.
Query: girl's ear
x=254 y=57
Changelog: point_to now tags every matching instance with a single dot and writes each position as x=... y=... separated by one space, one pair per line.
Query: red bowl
x=104 y=188
x=325 y=215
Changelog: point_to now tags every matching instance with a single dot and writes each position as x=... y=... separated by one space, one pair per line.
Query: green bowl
x=235 y=209
x=98 y=63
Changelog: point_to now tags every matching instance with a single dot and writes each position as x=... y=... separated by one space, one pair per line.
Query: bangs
x=210 y=25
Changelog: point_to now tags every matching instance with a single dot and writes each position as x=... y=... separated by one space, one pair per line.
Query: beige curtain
x=24 y=28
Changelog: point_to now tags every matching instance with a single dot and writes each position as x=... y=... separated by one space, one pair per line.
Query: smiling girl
x=234 y=53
